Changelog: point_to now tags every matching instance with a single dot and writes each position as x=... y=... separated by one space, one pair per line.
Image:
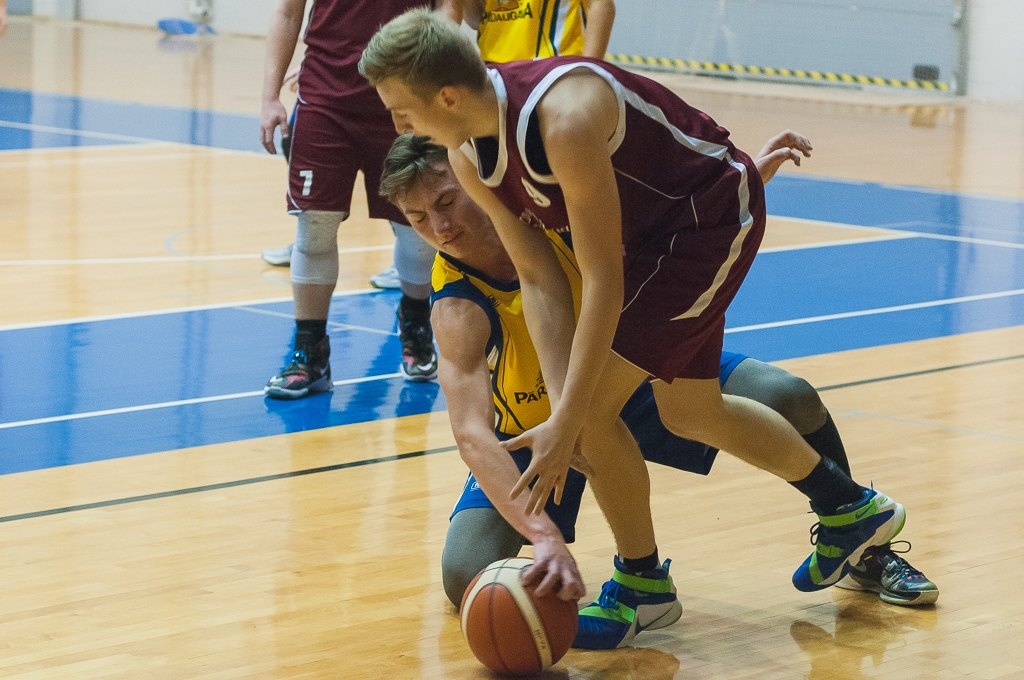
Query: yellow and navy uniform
x=520 y=397
x=518 y=30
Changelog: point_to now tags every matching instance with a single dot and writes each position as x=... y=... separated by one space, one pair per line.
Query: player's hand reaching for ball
x=785 y=146
x=554 y=571
x=553 y=448
x=272 y=115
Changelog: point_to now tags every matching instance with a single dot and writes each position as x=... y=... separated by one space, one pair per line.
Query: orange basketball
x=509 y=629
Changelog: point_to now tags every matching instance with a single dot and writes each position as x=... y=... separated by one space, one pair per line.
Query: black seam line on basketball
x=226 y=485
x=899 y=376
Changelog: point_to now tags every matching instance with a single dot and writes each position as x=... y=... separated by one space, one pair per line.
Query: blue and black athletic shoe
x=841 y=539
x=628 y=604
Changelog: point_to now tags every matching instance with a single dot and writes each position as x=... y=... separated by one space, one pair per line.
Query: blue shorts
x=657 y=445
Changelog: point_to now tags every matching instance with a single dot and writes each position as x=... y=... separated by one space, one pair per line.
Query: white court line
x=893 y=228
x=879 y=310
x=78 y=133
x=171 y=404
x=330 y=324
x=173 y=310
x=167 y=258
x=894 y=236
x=119 y=138
x=113 y=159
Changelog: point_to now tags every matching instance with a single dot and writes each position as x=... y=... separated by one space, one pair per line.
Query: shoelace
x=299 y=359
x=904 y=568
x=609 y=597
x=814 y=533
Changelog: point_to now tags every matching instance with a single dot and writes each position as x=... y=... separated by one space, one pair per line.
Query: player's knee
x=315 y=255
x=797 y=401
x=456 y=575
x=414 y=257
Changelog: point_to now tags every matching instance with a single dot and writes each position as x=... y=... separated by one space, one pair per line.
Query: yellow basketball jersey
x=518 y=30
x=520 y=397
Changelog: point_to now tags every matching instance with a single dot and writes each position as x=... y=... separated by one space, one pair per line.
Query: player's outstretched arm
x=779 y=149
x=462 y=329
x=577 y=118
x=600 y=17
x=283 y=35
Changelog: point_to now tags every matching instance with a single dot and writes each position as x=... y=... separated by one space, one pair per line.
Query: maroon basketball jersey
x=336 y=36
x=675 y=167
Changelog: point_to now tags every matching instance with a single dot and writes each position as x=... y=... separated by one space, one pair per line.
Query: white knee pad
x=315 y=255
x=413 y=256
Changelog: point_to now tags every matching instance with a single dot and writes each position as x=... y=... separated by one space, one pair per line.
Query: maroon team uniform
x=692 y=208
x=340 y=125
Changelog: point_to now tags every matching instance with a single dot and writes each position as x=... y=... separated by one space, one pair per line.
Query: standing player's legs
x=413 y=257
x=322 y=169
x=640 y=594
x=881 y=569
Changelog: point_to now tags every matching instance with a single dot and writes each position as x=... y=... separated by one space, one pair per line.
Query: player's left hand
x=552 y=448
x=779 y=149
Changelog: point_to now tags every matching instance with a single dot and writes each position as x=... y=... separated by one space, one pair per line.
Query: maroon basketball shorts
x=329 y=146
x=680 y=279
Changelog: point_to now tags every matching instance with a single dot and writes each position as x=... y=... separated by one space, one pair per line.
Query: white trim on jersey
x=746 y=221
x=541 y=89
x=655 y=113
x=469 y=148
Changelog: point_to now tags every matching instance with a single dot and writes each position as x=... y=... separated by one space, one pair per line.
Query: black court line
x=414 y=454
x=899 y=376
x=226 y=485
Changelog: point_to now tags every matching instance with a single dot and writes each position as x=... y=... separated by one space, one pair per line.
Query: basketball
x=509 y=629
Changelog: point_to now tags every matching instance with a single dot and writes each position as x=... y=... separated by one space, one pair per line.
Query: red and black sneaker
x=306 y=374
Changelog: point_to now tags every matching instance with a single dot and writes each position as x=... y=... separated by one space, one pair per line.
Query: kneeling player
x=488 y=363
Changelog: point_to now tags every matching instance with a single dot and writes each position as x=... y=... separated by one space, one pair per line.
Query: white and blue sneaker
x=628 y=604
x=841 y=539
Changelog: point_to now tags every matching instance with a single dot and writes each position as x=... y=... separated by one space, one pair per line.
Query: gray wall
x=883 y=38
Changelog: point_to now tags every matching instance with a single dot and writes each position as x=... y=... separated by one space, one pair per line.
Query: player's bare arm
x=547 y=297
x=283 y=35
x=462 y=329
x=577 y=118
x=785 y=146
x=600 y=18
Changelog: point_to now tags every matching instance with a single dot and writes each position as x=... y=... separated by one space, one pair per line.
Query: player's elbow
x=473 y=446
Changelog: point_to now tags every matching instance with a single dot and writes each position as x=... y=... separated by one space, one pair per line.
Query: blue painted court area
x=77 y=392
x=35 y=120
x=216 y=359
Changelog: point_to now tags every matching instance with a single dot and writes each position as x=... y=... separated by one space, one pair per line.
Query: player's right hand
x=554 y=571
x=272 y=115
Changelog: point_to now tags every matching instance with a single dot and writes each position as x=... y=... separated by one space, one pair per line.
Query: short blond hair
x=424 y=50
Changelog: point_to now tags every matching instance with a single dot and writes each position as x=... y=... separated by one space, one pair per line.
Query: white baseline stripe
x=894 y=228
x=125 y=158
x=879 y=310
x=174 y=310
x=895 y=236
x=172 y=404
x=166 y=258
x=77 y=133
x=120 y=138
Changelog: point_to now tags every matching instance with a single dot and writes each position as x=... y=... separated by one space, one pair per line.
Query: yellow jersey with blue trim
x=520 y=397
x=518 y=30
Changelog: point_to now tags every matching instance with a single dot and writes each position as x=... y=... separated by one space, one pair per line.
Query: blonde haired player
x=666 y=215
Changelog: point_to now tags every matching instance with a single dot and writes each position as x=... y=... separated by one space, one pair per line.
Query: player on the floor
x=340 y=127
x=516 y=31
x=666 y=216
x=480 y=329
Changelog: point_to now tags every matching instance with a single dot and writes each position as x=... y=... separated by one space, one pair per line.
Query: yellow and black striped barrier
x=768 y=73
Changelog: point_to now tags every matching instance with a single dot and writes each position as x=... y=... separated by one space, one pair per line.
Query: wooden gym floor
x=158 y=520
